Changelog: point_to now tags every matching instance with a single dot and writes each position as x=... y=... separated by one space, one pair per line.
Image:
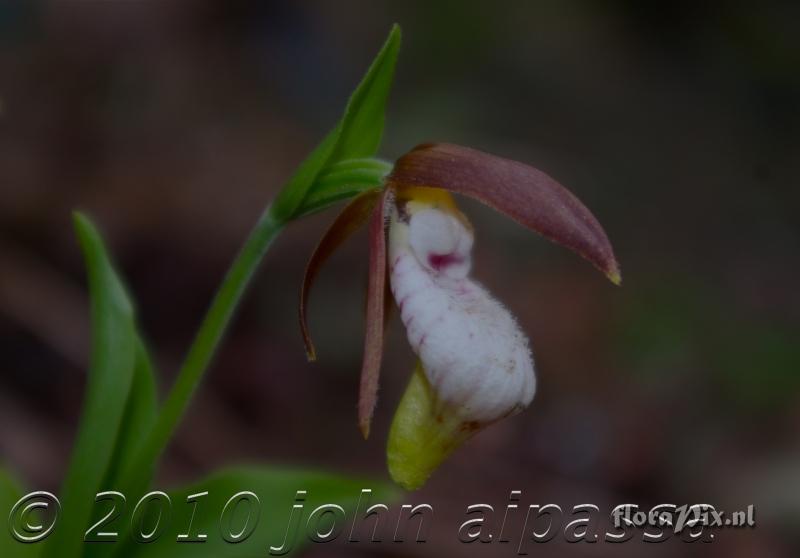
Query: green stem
x=205 y=343
x=342 y=180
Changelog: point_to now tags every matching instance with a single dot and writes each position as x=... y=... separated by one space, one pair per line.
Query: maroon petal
x=376 y=299
x=352 y=217
x=524 y=193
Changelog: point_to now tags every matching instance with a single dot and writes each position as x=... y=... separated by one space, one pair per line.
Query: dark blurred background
x=677 y=122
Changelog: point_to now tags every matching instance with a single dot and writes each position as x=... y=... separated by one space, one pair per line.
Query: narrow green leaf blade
x=108 y=385
x=362 y=125
x=139 y=417
x=276 y=489
x=291 y=197
x=10 y=493
x=357 y=135
x=137 y=421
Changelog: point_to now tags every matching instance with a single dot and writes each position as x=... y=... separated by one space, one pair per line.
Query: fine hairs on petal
x=373 y=337
x=475 y=366
x=473 y=352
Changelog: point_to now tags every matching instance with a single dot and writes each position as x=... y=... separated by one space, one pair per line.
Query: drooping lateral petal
x=352 y=217
x=373 y=337
x=527 y=195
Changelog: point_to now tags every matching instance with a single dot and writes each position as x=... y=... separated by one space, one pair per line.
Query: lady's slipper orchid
x=475 y=366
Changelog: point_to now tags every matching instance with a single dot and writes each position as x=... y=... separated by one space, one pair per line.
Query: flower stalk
x=209 y=335
x=341 y=166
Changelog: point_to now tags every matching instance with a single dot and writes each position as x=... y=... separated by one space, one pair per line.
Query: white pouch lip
x=472 y=350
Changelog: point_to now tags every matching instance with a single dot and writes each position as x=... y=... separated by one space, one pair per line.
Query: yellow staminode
x=430 y=197
x=417 y=198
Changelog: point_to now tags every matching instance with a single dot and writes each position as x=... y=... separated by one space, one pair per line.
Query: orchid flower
x=474 y=362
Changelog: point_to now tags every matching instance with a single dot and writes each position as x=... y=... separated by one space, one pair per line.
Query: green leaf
x=108 y=384
x=291 y=197
x=344 y=180
x=139 y=417
x=357 y=135
x=136 y=473
x=276 y=489
x=362 y=125
x=10 y=493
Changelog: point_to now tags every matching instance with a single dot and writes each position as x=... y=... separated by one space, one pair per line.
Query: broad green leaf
x=276 y=489
x=10 y=493
x=108 y=384
x=357 y=135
